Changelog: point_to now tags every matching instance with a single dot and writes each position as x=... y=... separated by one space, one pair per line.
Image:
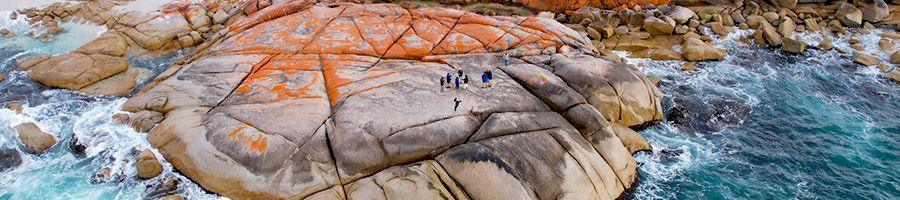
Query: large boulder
x=792 y=45
x=681 y=14
x=147 y=165
x=657 y=26
x=874 y=10
x=849 y=15
x=325 y=110
x=695 y=49
x=76 y=70
x=36 y=140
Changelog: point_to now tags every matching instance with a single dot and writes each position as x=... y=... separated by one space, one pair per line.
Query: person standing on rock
x=490 y=78
x=448 y=79
x=456 y=102
x=442 y=83
x=456 y=81
x=505 y=58
x=465 y=82
x=484 y=80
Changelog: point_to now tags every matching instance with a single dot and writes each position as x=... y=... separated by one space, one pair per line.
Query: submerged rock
x=9 y=159
x=35 y=140
x=296 y=102
x=147 y=165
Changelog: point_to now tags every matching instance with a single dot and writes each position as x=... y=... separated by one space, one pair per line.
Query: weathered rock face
x=343 y=101
x=560 y=6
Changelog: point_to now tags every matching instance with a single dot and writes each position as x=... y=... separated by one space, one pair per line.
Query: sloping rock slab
x=343 y=101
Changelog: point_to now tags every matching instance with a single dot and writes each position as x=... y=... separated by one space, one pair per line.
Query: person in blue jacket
x=484 y=80
x=456 y=81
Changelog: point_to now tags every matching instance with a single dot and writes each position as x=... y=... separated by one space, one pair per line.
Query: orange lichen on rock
x=257 y=143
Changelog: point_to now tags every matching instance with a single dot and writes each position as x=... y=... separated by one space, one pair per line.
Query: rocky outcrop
x=35 y=140
x=342 y=101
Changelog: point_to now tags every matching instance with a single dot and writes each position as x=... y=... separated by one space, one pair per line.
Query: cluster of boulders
x=176 y=25
x=655 y=30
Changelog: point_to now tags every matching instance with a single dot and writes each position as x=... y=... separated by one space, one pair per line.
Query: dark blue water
x=762 y=125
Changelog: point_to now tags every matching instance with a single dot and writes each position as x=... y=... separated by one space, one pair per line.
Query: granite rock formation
x=335 y=101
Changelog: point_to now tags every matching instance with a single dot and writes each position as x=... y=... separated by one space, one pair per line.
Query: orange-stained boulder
x=343 y=101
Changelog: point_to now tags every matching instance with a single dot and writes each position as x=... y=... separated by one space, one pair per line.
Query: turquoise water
x=762 y=125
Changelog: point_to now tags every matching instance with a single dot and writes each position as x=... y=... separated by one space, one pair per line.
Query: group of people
x=461 y=80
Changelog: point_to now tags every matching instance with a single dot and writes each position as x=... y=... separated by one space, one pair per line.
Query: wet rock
x=144 y=120
x=147 y=165
x=858 y=47
x=35 y=140
x=657 y=26
x=720 y=29
x=102 y=176
x=655 y=80
x=665 y=54
x=76 y=147
x=849 y=15
x=121 y=118
x=826 y=44
x=854 y=40
x=5 y=32
x=792 y=45
x=15 y=106
x=172 y=197
x=55 y=30
x=9 y=159
x=688 y=66
x=894 y=75
x=895 y=57
x=697 y=50
x=75 y=70
x=866 y=60
x=669 y=155
x=632 y=140
x=885 y=45
x=45 y=37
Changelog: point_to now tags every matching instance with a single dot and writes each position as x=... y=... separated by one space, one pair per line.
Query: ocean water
x=59 y=173
x=765 y=125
